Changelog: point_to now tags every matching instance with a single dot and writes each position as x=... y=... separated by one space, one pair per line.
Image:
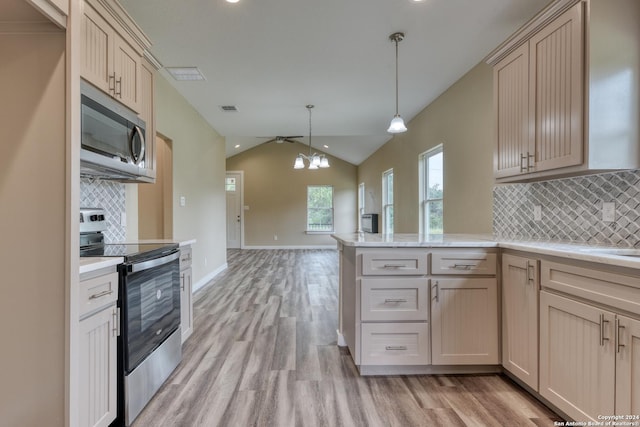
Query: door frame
x=241 y=173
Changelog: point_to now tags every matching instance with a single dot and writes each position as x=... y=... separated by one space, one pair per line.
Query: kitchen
x=471 y=98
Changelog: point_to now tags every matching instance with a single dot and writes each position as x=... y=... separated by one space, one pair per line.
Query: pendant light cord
x=309 y=107
x=396 y=40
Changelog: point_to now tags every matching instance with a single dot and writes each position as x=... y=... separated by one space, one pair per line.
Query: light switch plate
x=608 y=212
x=183 y=201
x=123 y=219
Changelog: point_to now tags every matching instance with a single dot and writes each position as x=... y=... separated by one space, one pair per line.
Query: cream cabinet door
x=627 y=343
x=577 y=357
x=556 y=91
x=186 y=303
x=97 y=50
x=126 y=66
x=98 y=368
x=513 y=119
x=464 y=321
x=520 y=318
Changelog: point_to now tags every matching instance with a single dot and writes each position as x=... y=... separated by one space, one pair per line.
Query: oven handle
x=146 y=265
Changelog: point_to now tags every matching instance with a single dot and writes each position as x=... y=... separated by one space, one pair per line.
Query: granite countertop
x=622 y=257
x=179 y=242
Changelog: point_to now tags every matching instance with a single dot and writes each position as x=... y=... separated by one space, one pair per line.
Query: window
x=360 y=205
x=387 y=202
x=230 y=184
x=319 y=208
x=432 y=191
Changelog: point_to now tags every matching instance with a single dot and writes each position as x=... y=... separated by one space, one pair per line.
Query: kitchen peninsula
x=414 y=304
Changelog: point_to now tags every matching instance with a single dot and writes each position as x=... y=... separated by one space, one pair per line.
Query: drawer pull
x=393 y=266
x=100 y=294
x=396 y=347
x=394 y=300
x=463 y=266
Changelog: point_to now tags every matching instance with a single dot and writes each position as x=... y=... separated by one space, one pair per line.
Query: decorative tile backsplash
x=571 y=209
x=111 y=197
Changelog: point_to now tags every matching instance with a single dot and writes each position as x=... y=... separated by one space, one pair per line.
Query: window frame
x=387 y=224
x=425 y=200
x=332 y=208
x=361 y=205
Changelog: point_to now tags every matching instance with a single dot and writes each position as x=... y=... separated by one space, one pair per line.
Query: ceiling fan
x=281 y=139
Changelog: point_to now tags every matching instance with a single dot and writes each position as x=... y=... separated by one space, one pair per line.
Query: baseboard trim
x=209 y=277
x=294 y=247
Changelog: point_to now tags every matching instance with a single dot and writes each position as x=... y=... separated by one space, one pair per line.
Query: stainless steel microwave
x=113 y=144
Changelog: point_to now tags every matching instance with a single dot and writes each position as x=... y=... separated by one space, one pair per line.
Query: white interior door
x=233 y=186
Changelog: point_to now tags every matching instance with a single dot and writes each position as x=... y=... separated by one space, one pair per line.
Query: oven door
x=150 y=305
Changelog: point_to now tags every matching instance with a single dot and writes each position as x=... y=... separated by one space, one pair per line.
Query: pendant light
x=315 y=160
x=397 y=124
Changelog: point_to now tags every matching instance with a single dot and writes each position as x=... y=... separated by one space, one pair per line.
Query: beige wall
x=461 y=119
x=277 y=195
x=32 y=209
x=198 y=175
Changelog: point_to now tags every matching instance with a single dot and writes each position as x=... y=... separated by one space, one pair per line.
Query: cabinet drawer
x=394 y=299
x=395 y=344
x=394 y=263
x=98 y=292
x=185 y=257
x=463 y=263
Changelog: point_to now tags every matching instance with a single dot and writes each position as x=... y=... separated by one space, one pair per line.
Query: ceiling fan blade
x=271 y=140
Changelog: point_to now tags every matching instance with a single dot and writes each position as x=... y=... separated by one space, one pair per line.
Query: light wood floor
x=264 y=353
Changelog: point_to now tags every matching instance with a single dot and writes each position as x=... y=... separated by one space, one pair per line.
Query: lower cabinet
x=627 y=342
x=520 y=286
x=98 y=335
x=395 y=343
x=186 y=293
x=464 y=321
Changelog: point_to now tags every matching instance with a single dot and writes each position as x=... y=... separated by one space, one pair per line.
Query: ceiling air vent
x=185 y=73
x=229 y=108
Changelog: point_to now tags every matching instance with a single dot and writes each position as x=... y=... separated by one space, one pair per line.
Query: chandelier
x=315 y=160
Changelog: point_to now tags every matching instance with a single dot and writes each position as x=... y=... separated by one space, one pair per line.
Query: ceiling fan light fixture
x=299 y=163
x=397 y=125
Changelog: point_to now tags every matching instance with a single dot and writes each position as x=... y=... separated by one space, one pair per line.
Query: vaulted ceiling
x=272 y=57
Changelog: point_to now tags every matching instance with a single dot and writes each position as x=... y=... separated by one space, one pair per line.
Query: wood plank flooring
x=264 y=353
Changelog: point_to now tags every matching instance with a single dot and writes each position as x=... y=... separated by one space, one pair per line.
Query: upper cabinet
x=558 y=92
x=112 y=53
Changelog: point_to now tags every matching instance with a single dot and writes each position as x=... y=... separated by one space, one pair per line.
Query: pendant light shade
x=397 y=124
x=299 y=164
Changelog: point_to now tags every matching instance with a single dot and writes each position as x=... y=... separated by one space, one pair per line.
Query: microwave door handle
x=146 y=265
x=137 y=157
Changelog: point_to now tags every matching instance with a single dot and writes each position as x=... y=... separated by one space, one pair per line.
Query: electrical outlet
x=275 y=237
x=537 y=213
x=608 y=212
x=123 y=219
x=183 y=201
x=205 y=261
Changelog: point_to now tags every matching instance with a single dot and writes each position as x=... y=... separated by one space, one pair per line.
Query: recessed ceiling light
x=233 y=1
x=237 y=146
x=185 y=73
x=325 y=146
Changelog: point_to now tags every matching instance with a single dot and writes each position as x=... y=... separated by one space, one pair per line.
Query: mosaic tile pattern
x=111 y=197
x=571 y=209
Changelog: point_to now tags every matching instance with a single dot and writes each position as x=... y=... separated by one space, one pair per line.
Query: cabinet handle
x=118 y=84
x=392 y=300
x=529 y=158
x=437 y=297
x=393 y=266
x=112 y=78
x=182 y=282
x=523 y=168
x=530 y=277
x=396 y=347
x=101 y=294
x=618 y=327
x=602 y=337
x=116 y=321
x=463 y=266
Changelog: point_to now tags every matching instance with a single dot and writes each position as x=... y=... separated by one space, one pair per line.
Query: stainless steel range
x=149 y=346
